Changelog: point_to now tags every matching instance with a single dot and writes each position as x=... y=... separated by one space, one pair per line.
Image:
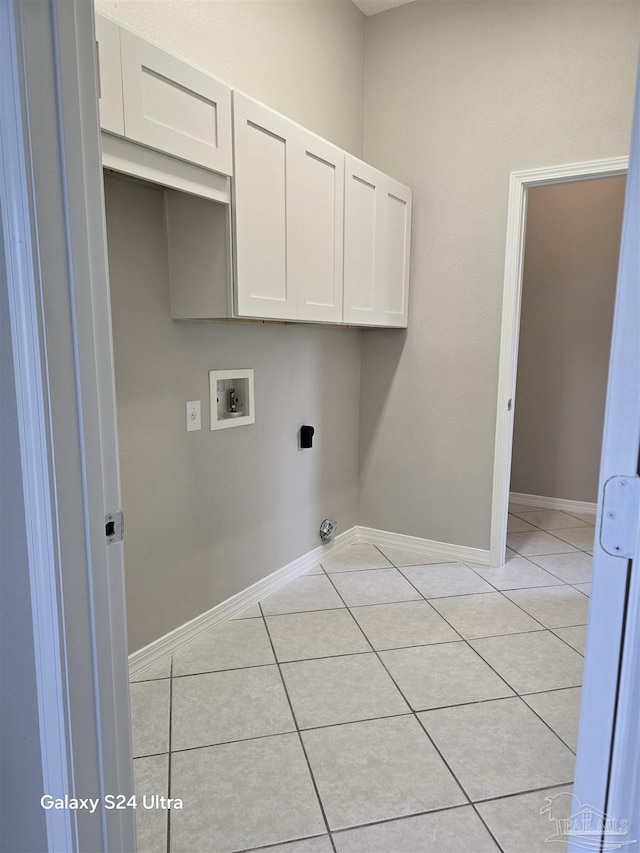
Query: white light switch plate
x=193 y=415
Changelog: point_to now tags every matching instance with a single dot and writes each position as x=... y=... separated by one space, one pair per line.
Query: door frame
x=519 y=184
x=54 y=242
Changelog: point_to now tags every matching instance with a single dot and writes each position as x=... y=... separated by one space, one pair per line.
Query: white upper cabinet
x=395 y=251
x=288 y=208
x=318 y=236
x=316 y=248
x=362 y=252
x=263 y=188
x=109 y=75
x=377 y=233
x=173 y=107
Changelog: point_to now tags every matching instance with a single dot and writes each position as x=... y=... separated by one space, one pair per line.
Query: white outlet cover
x=193 y=416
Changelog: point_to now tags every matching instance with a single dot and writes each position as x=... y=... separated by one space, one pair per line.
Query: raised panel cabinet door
x=263 y=187
x=109 y=75
x=316 y=246
x=173 y=107
x=395 y=238
x=362 y=250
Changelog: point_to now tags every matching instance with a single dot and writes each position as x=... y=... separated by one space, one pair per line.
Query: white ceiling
x=372 y=7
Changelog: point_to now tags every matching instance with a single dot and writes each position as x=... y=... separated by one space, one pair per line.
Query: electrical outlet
x=193 y=415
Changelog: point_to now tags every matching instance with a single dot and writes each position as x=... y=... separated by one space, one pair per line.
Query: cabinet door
x=263 y=188
x=362 y=248
x=173 y=107
x=395 y=237
x=109 y=75
x=316 y=247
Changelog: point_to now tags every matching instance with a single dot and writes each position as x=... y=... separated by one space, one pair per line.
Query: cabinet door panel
x=109 y=75
x=361 y=248
x=263 y=186
x=173 y=107
x=316 y=248
x=395 y=235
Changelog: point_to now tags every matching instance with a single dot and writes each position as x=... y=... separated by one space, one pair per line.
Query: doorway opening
x=522 y=185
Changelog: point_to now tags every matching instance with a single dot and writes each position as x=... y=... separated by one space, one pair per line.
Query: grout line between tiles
x=417 y=719
x=295 y=722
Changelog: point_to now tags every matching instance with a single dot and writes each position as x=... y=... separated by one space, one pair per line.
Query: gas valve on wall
x=328 y=529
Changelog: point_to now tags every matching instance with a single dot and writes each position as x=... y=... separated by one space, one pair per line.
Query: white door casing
x=54 y=243
x=519 y=183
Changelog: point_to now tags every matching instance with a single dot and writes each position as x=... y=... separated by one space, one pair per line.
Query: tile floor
x=385 y=701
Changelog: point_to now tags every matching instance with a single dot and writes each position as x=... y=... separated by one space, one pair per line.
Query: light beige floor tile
x=341 y=690
x=499 y=747
x=589 y=517
x=517 y=525
x=231 y=645
x=580 y=537
x=528 y=823
x=537 y=542
x=150 y=717
x=378 y=586
x=456 y=830
x=560 y=709
x=553 y=606
x=407 y=623
x=377 y=770
x=446 y=579
x=518 y=573
x=360 y=555
x=534 y=662
x=314 y=570
x=401 y=557
x=570 y=568
x=250 y=612
x=584 y=588
x=218 y=707
x=320 y=844
x=151 y=777
x=159 y=669
x=298 y=636
x=239 y=795
x=515 y=507
x=550 y=519
x=304 y=593
x=485 y=615
x=435 y=676
x=576 y=636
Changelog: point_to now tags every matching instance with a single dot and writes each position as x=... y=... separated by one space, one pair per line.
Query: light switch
x=193 y=415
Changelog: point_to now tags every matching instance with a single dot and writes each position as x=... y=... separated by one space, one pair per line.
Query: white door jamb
x=519 y=184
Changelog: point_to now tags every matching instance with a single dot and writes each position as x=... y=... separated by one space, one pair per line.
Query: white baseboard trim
x=461 y=553
x=553 y=503
x=172 y=641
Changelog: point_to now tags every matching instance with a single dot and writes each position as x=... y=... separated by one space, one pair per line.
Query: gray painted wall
x=569 y=283
x=459 y=95
x=209 y=513
x=304 y=58
x=22 y=821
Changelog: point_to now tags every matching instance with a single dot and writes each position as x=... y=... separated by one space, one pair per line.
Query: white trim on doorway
x=542 y=502
x=519 y=184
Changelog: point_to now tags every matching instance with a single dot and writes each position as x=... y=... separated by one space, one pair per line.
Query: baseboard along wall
x=541 y=502
x=172 y=641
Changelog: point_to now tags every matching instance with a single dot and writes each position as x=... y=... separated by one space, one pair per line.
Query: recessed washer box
x=231 y=398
